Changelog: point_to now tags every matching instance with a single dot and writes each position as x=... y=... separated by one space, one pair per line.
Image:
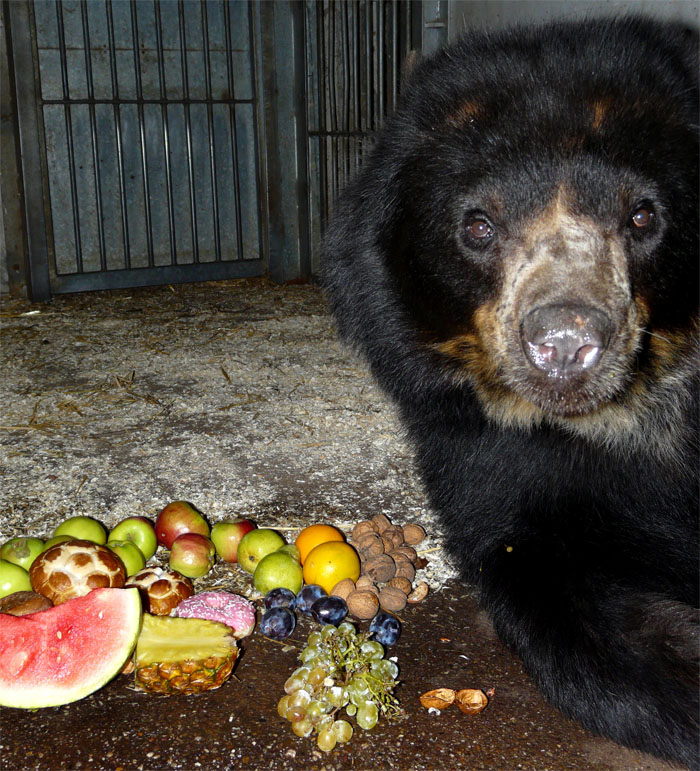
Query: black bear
x=518 y=262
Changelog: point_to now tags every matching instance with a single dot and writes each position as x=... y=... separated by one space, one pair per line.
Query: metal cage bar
x=232 y=128
x=353 y=74
x=166 y=134
x=93 y=135
x=30 y=159
x=142 y=134
x=210 y=128
x=114 y=83
x=188 y=128
x=69 y=139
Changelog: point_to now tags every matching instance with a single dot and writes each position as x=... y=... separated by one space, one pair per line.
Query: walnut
x=370 y=545
x=343 y=588
x=364 y=527
x=439 y=698
x=362 y=604
x=392 y=599
x=419 y=593
x=366 y=583
x=413 y=534
x=404 y=568
x=471 y=700
x=388 y=543
x=407 y=551
x=421 y=562
x=381 y=568
x=382 y=522
x=399 y=582
x=395 y=533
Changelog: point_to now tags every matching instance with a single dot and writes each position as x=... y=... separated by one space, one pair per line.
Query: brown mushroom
x=74 y=568
x=161 y=590
x=24 y=603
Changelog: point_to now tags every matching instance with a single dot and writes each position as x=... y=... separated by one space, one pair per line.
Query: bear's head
x=527 y=227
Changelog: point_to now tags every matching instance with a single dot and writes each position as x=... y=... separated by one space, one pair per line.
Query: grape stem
x=349 y=664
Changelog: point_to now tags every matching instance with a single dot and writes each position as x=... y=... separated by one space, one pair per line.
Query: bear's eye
x=642 y=218
x=479 y=229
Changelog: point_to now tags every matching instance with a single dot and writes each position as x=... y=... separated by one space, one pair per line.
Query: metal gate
x=184 y=140
x=149 y=154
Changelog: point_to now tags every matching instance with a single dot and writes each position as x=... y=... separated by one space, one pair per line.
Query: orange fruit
x=331 y=562
x=313 y=535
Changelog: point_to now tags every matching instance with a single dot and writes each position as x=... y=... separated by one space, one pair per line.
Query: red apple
x=192 y=555
x=226 y=536
x=176 y=519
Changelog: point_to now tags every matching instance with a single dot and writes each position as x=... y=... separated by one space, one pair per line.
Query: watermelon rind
x=62 y=654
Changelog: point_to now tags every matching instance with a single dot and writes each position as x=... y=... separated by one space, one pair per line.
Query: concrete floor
x=237 y=396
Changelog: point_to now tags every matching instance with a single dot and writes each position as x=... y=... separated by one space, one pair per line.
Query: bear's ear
x=353 y=253
x=409 y=65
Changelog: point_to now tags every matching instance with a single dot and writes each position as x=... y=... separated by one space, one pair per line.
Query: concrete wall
x=463 y=14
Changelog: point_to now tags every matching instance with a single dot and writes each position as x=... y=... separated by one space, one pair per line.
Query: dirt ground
x=237 y=397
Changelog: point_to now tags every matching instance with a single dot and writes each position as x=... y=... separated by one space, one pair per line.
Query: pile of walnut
x=389 y=563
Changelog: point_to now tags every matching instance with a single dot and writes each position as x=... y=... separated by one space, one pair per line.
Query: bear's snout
x=565 y=340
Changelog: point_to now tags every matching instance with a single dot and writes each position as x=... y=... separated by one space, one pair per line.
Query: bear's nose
x=564 y=340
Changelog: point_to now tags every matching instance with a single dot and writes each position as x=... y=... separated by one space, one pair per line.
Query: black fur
x=557 y=167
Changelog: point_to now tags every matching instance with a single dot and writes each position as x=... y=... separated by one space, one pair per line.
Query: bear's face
x=541 y=249
x=561 y=326
x=562 y=329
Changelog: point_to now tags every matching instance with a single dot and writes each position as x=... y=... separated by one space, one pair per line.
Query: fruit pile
x=322 y=559
x=82 y=555
x=340 y=669
x=371 y=582
x=183 y=643
x=179 y=641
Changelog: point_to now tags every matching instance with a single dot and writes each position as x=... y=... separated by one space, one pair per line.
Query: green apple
x=192 y=555
x=57 y=539
x=278 y=569
x=13 y=579
x=130 y=555
x=22 y=551
x=292 y=550
x=140 y=531
x=84 y=528
x=257 y=544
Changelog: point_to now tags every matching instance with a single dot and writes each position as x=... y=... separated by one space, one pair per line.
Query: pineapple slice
x=183 y=655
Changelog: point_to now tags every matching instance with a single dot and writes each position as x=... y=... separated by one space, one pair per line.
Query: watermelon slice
x=64 y=653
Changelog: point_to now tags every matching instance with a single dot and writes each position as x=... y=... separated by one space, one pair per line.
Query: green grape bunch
x=340 y=669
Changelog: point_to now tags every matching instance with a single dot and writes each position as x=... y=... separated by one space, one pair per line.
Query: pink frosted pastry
x=227 y=608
